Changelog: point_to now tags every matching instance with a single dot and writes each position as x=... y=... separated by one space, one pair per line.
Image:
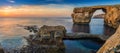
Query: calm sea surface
x=11 y=34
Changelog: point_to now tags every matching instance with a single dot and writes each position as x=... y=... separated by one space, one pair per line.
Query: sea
x=12 y=32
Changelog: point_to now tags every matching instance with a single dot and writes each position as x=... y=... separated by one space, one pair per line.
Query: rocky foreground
x=49 y=39
x=112 y=45
x=82 y=15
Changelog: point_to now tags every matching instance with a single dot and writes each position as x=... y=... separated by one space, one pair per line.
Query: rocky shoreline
x=53 y=36
x=50 y=39
x=82 y=15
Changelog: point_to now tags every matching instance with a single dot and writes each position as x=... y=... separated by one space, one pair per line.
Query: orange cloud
x=36 y=11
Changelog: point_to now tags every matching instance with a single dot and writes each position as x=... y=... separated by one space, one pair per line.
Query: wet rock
x=47 y=40
x=83 y=15
x=41 y=49
x=48 y=34
x=112 y=44
x=74 y=36
x=33 y=28
x=1 y=49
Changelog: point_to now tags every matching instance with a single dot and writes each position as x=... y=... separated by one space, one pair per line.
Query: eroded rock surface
x=55 y=31
x=83 y=15
x=48 y=39
x=112 y=45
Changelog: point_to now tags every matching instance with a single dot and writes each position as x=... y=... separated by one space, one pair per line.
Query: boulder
x=48 y=39
x=112 y=45
x=52 y=31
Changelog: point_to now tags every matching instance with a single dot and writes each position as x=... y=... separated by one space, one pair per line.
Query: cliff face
x=83 y=15
x=112 y=17
x=112 y=45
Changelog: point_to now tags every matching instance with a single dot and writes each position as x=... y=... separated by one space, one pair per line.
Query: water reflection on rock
x=40 y=49
x=81 y=28
x=108 y=30
x=86 y=28
x=74 y=46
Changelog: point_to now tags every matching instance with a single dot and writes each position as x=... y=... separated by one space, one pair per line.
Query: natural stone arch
x=83 y=15
x=95 y=9
x=103 y=9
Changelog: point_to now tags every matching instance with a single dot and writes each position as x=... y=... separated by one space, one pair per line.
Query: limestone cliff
x=83 y=15
x=112 y=44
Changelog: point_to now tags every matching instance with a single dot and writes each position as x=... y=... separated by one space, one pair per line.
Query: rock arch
x=83 y=15
x=95 y=10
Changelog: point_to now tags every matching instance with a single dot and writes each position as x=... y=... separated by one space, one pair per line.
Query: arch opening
x=97 y=21
x=99 y=13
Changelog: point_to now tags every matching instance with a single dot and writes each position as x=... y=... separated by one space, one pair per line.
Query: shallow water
x=12 y=32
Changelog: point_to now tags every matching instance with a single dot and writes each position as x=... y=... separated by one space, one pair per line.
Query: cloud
x=11 y=1
x=67 y=2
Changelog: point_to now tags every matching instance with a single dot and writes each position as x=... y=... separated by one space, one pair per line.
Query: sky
x=46 y=8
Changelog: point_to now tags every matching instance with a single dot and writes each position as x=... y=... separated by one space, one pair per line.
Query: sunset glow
x=35 y=11
x=43 y=8
x=7 y=11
